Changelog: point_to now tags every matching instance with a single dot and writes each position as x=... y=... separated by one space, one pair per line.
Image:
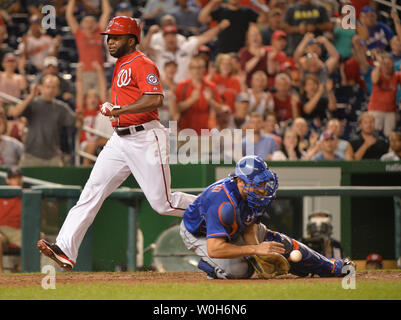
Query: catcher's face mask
x=260 y=184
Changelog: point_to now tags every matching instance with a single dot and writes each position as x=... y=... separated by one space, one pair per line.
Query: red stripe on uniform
x=164 y=178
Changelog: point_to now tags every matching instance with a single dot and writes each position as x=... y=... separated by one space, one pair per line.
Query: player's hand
x=107 y=109
x=268 y=247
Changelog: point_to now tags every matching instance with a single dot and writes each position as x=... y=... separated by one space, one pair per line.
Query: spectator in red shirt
x=382 y=102
x=227 y=85
x=35 y=46
x=260 y=100
x=10 y=215
x=89 y=41
x=11 y=82
x=87 y=104
x=197 y=99
x=253 y=57
x=276 y=56
x=287 y=104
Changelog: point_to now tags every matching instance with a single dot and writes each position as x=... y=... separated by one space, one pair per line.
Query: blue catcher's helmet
x=260 y=182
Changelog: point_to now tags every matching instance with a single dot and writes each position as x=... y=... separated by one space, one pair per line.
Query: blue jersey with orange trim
x=219 y=211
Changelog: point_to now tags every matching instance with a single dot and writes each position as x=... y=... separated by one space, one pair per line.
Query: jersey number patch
x=124 y=77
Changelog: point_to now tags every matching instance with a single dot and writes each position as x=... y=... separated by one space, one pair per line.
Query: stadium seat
x=11 y=258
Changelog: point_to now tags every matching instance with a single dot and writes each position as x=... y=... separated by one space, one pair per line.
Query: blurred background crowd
x=315 y=80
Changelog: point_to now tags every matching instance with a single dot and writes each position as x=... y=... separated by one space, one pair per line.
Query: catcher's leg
x=215 y=268
x=312 y=262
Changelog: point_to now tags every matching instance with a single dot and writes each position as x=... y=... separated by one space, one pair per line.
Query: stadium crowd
x=310 y=80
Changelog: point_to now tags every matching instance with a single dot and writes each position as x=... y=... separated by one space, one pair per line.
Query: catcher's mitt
x=270 y=266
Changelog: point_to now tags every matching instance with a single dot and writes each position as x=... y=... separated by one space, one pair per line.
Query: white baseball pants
x=144 y=154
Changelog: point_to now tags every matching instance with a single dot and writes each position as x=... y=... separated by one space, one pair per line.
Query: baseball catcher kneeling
x=223 y=227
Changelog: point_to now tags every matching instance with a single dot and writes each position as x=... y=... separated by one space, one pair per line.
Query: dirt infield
x=131 y=278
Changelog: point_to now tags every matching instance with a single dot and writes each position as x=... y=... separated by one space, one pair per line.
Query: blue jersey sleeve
x=220 y=216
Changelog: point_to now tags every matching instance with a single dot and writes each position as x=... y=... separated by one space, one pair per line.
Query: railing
x=31 y=214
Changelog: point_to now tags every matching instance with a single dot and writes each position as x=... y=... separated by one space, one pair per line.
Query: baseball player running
x=139 y=145
x=222 y=226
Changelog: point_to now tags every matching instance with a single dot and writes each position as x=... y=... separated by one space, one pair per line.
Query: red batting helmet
x=123 y=25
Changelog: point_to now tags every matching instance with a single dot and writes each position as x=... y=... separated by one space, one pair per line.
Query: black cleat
x=54 y=252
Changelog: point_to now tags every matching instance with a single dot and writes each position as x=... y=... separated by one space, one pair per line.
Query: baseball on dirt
x=295 y=256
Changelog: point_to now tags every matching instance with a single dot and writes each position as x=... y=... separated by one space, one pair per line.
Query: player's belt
x=128 y=130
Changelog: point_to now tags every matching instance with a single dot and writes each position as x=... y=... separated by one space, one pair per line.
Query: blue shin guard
x=312 y=262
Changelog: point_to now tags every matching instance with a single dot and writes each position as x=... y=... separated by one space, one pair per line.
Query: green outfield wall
x=367 y=223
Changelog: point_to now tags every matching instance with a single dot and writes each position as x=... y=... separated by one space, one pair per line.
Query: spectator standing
x=253 y=56
x=290 y=147
x=10 y=215
x=275 y=23
x=46 y=116
x=125 y=9
x=376 y=33
x=89 y=41
x=315 y=107
x=395 y=42
x=223 y=149
x=382 y=102
x=276 y=58
x=367 y=145
x=260 y=100
x=172 y=51
x=241 y=110
x=157 y=38
x=155 y=9
x=4 y=46
x=10 y=148
x=66 y=93
x=342 y=38
x=233 y=38
x=302 y=17
x=87 y=104
x=287 y=104
x=187 y=18
x=312 y=63
x=169 y=109
x=360 y=65
x=11 y=82
x=264 y=145
x=36 y=46
x=197 y=99
x=227 y=84
x=395 y=147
